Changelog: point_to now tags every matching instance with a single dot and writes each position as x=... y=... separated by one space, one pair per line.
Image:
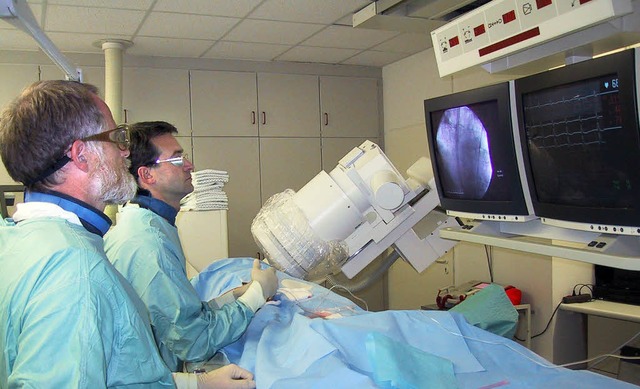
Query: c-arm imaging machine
x=344 y=219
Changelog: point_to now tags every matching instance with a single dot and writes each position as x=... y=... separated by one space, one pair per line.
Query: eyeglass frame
x=175 y=161
x=106 y=136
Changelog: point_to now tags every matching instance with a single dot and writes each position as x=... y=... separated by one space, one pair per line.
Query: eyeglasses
x=119 y=136
x=175 y=161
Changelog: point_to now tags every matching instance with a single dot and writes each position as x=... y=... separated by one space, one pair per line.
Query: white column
x=113 y=53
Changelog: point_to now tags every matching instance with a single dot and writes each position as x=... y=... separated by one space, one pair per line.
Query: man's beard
x=112 y=181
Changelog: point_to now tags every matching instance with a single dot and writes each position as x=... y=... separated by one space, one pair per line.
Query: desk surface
x=606 y=309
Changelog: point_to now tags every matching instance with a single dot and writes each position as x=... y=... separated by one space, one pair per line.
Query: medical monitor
x=581 y=144
x=473 y=154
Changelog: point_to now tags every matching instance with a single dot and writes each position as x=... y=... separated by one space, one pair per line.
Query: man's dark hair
x=142 y=151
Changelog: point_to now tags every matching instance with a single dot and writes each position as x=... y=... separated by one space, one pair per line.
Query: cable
x=547 y=326
x=495 y=343
x=588 y=286
x=324 y=297
x=615 y=349
x=603 y=356
x=487 y=251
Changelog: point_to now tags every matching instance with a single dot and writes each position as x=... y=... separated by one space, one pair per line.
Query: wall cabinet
x=264 y=129
x=157 y=94
x=349 y=107
x=239 y=156
x=288 y=105
x=224 y=103
x=287 y=163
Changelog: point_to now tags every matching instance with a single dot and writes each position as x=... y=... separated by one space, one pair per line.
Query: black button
x=592 y=243
x=601 y=245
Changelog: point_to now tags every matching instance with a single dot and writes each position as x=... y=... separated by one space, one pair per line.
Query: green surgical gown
x=67 y=318
x=146 y=249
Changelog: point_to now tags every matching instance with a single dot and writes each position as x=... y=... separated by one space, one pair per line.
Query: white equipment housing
x=343 y=220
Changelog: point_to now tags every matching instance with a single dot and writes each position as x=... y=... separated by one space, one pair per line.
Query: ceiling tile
x=348 y=37
x=232 y=8
x=374 y=58
x=172 y=25
x=247 y=51
x=317 y=54
x=36 y=10
x=123 y=4
x=167 y=47
x=83 y=43
x=17 y=40
x=263 y=31
x=311 y=11
x=106 y=21
x=406 y=43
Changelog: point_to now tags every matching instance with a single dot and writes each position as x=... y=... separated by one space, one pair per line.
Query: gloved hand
x=239 y=291
x=226 y=377
x=266 y=278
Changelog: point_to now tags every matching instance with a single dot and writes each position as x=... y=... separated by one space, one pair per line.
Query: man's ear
x=145 y=175
x=78 y=154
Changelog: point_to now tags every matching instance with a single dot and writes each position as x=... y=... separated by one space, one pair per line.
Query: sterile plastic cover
x=284 y=234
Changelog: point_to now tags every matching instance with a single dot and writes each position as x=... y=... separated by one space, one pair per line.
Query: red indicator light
x=543 y=3
x=479 y=30
x=523 y=36
x=509 y=17
x=454 y=41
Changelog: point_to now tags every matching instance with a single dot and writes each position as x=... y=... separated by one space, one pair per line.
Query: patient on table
x=312 y=337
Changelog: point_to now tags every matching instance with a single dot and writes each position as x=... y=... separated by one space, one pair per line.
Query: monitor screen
x=581 y=144
x=473 y=154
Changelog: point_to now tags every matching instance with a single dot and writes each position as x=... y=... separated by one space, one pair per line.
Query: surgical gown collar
x=158 y=207
x=91 y=218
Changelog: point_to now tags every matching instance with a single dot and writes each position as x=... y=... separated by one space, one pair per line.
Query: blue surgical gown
x=146 y=249
x=67 y=318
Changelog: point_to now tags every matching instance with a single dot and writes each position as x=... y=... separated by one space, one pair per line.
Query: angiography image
x=463 y=154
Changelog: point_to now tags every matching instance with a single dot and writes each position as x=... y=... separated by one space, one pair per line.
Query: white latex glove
x=266 y=278
x=226 y=377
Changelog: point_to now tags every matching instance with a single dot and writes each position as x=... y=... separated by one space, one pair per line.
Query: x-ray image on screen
x=464 y=156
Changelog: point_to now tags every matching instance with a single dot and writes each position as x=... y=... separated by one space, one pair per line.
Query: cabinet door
x=288 y=105
x=224 y=103
x=14 y=78
x=240 y=158
x=157 y=94
x=287 y=163
x=349 y=107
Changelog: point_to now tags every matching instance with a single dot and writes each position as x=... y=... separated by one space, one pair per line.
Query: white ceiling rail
x=18 y=13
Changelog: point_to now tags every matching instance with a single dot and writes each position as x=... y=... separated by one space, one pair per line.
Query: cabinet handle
x=258 y=255
x=264 y=117
x=125 y=116
x=253 y=117
x=326 y=119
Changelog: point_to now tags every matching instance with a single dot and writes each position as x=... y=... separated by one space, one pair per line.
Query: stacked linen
x=208 y=193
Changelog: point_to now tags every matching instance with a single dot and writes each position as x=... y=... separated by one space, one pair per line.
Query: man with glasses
x=144 y=246
x=67 y=317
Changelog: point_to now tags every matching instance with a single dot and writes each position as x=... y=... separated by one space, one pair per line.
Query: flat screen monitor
x=581 y=144
x=473 y=154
